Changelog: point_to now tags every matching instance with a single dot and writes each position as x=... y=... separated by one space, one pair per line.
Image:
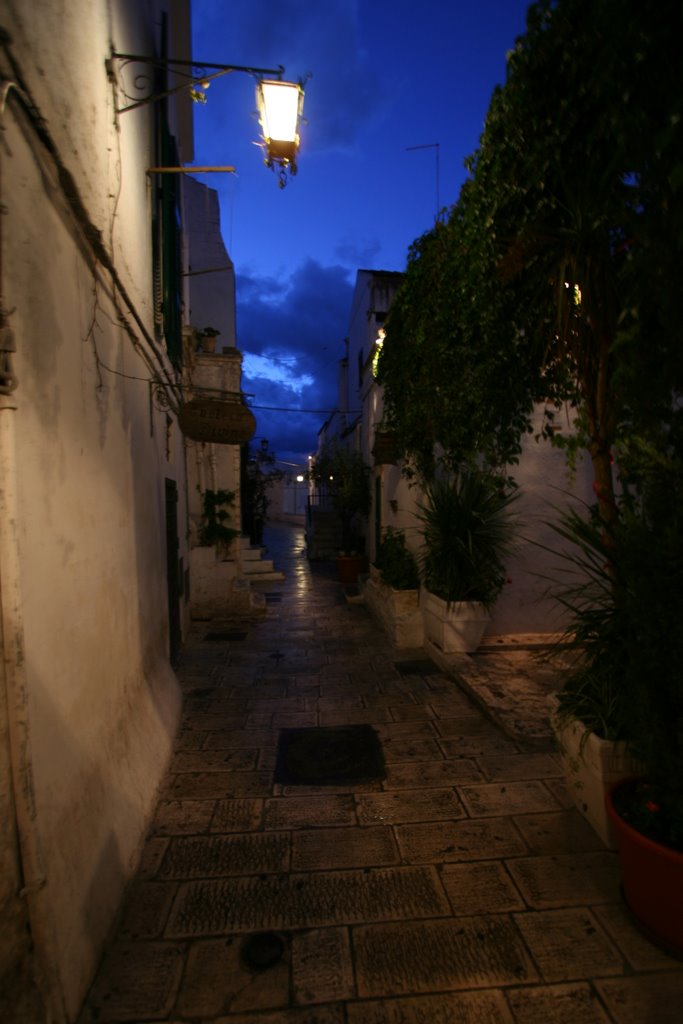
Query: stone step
x=274 y=576
x=251 y=554
x=252 y=568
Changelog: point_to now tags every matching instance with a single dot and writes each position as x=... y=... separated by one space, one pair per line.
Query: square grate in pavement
x=329 y=755
x=273 y=598
x=422 y=667
x=223 y=636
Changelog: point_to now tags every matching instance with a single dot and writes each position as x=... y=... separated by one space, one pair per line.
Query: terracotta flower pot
x=652 y=881
x=349 y=567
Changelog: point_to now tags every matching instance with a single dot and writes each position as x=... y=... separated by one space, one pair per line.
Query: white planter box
x=592 y=766
x=397 y=611
x=457 y=627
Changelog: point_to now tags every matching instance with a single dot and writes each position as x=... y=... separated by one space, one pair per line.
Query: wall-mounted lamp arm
x=199 y=72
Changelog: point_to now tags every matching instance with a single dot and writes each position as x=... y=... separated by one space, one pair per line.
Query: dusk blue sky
x=386 y=75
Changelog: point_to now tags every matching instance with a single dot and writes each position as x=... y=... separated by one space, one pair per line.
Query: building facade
x=545 y=486
x=93 y=497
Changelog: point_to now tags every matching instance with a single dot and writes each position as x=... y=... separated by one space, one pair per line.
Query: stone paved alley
x=460 y=889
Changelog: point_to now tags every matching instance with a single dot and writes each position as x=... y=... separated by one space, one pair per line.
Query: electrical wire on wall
x=129 y=319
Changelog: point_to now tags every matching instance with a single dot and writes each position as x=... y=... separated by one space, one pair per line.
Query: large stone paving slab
x=406 y=730
x=310 y=811
x=569 y=945
x=433 y=956
x=303 y=1015
x=409 y=748
x=137 y=981
x=437 y=773
x=408 y=805
x=306 y=900
x=443 y=841
x=175 y=817
x=237 y=815
x=146 y=909
x=215 y=760
x=487 y=742
x=568 y=879
x=224 y=855
x=344 y=848
x=217 y=980
x=219 y=785
x=647 y=999
x=227 y=739
x=515 y=767
x=639 y=951
x=481 y=888
x=558 y=832
x=557 y=1004
x=454 y=1008
x=322 y=971
x=506 y=798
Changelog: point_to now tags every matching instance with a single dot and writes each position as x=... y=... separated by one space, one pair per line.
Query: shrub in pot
x=214 y=529
x=392 y=591
x=344 y=478
x=396 y=564
x=648 y=813
x=467 y=532
x=626 y=621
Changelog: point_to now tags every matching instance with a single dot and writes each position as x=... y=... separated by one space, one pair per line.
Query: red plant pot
x=652 y=881
x=349 y=567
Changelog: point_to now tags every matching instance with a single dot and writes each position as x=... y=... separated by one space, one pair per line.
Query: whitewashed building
x=93 y=509
x=544 y=482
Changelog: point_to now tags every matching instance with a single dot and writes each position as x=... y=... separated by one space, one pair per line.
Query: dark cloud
x=349 y=251
x=291 y=334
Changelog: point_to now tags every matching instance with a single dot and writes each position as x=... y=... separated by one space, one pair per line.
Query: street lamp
x=280 y=106
x=280 y=103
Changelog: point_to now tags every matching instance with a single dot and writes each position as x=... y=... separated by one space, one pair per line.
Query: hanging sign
x=216 y=422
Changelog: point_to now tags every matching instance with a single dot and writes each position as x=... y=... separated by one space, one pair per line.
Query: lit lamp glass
x=280 y=106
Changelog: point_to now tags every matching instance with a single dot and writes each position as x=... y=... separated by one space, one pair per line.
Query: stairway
x=255 y=567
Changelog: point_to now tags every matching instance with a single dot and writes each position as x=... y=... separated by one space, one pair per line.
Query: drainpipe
x=14 y=671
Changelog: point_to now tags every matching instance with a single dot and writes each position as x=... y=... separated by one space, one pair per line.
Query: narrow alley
x=457 y=887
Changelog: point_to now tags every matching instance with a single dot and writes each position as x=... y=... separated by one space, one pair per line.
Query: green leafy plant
x=468 y=532
x=257 y=475
x=342 y=474
x=583 y=584
x=625 y=612
x=397 y=565
x=216 y=506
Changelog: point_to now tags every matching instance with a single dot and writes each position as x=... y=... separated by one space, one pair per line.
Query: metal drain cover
x=263 y=950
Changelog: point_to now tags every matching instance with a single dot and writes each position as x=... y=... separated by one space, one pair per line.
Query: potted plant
x=214 y=530
x=647 y=812
x=633 y=643
x=396 y=564
x=467 y=532
x=207 y=338
x=392 y=592
x=344 y=478
x=587 y=715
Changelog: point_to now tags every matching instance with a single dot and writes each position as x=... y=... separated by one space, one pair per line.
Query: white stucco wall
x=92 y=451
x=545 y=485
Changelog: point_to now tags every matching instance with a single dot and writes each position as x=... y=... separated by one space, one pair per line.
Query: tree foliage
x=555 y=276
